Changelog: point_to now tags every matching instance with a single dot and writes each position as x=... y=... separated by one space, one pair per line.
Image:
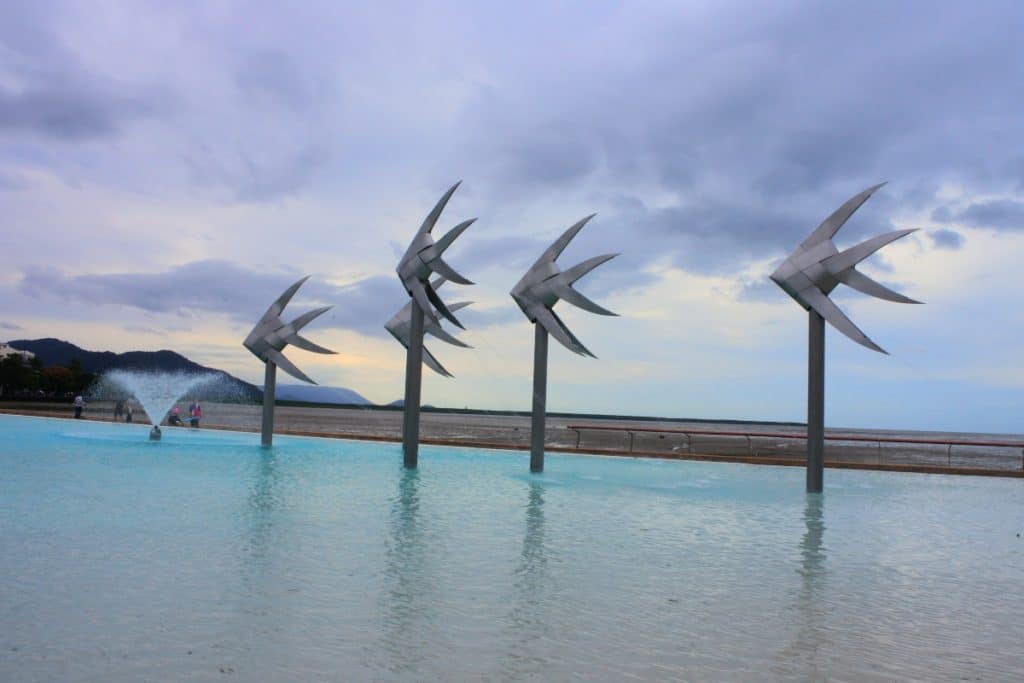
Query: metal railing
x=883 y=450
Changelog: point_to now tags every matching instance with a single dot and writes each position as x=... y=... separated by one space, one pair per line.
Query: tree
x=58 y=378
x=13 y=374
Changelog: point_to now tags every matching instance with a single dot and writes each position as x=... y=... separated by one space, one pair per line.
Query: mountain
x=308 y=393
x=59 y=352
x=400 y=403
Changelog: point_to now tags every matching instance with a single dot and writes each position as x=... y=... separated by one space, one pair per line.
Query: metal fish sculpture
x=272 y=334
x=421 y=259
x=816 y=267
x=424 y=257
x=545 y=284
x=401 y=323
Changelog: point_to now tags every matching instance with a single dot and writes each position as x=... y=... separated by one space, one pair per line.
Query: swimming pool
x=203 y=556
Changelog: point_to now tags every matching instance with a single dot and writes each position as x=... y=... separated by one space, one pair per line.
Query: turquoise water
x=204 y=556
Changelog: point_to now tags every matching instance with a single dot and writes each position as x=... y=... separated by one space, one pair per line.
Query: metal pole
x=540 y=397
x=413 y=381
x=269 y=391
x=815 y=402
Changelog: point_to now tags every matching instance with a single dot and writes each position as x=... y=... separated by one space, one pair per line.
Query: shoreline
x=641 y=438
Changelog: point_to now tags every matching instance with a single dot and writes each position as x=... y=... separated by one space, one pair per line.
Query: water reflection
x=528 y=620
x=807 y=655
x=254 y=604
x=530 y=571
x=258 y=533
x=408 y=613
x=262 y=504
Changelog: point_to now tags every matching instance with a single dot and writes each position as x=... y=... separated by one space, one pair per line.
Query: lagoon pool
x=205 y=557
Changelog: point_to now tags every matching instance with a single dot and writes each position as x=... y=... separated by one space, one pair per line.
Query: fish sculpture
x=816 y=267
x=424 y=257
x=272 y=334
x=545 y=284
x=400 y=327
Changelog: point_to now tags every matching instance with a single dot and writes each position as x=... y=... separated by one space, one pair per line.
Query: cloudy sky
x=166 y=169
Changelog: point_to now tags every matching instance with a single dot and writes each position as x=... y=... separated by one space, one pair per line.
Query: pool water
x=204 y=556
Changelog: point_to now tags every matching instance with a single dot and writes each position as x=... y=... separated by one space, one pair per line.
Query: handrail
x=787 y=435
x=689 y=433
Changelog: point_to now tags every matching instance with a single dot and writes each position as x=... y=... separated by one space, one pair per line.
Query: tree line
x=19 y=380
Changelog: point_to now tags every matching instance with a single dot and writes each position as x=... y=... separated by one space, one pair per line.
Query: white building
x=8 y=350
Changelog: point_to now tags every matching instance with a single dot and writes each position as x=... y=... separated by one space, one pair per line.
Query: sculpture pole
x=269 y=390
x=540 y=397
x=809 y=275
x=413 y=382
x=815 y=402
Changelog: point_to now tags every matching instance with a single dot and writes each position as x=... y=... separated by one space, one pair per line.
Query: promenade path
x=764 y=443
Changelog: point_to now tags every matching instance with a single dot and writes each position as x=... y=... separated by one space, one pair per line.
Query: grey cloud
x=363 y=306
x=761 y=290
x=142 y=329
x=708 y=142
x=226 y=288
x=10 y=326
x=946 y=239
x=70 y=111
x=397 y=250
x=50 y=94
x=250 y=179
x=268 y=181
x=508 y=251
x=1000 y=214
x=476 y=318
x=767 y=127
x=547 y=155
x=521 y=151
x=11 y=182
x=704 y=235
x=271 y=76
x=1015 y=169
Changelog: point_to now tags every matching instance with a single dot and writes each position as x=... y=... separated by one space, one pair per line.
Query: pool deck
x=690 y=440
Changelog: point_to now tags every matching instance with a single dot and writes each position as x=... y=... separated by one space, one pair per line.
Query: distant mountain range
x=309 y=393
x=400 y=403
x=59 y=352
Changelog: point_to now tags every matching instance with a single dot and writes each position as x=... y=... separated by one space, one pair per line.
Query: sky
x=167 y=169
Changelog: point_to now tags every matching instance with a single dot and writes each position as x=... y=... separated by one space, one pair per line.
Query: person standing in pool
x=128 y=412
x=79 y=405
x=195 y=414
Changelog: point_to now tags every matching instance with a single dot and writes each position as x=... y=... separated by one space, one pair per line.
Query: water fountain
x=157 y=392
